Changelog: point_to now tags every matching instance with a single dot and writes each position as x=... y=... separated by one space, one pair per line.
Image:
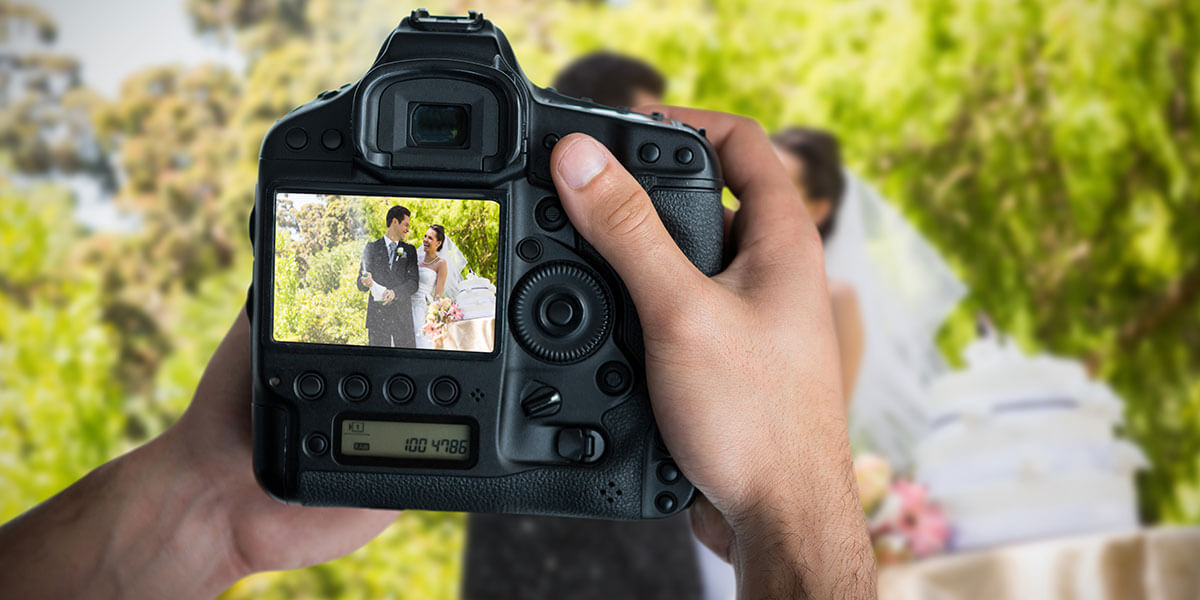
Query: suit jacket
x=402 y=278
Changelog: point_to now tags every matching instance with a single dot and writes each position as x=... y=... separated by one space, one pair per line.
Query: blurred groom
x=389 y=273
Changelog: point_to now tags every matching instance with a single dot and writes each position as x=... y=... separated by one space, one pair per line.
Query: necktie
x=391 y=252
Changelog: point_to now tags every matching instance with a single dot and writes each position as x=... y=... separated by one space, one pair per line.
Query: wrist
x=171 y=537
x=803 y=534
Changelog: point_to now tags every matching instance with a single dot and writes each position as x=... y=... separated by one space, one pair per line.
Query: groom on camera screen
x=389 y=273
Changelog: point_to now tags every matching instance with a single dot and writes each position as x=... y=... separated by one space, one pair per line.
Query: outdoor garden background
x=1050 y=150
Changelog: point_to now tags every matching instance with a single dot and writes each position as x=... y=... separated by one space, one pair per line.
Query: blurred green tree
x=1048 y=149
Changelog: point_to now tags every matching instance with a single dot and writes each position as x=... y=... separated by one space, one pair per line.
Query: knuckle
x=628 y=215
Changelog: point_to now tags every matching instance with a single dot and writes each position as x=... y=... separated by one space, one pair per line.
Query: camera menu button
x=444 y=391
x=309 y=386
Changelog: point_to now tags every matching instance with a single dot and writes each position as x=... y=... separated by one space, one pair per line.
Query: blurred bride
x=889 y=289
x=440 y=265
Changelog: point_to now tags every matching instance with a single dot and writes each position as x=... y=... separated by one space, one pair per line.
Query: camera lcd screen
x=406 y=440
x=395 y=272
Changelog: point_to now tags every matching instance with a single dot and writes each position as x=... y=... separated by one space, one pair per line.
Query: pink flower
x=912 y=516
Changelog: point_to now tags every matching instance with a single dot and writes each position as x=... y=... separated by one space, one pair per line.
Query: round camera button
x=296 y=138
x=529 y=249
x=549 y=141
x=668 y=473
x=444 y=391
x=649 y=153
x=549 y=214
x=613 y=378
x=684 y=156
x=399 y=389
x=561 y=311
x=316 y=444
x=331 y=139
x=309 y=386
x=665 y=502
x=355 y=388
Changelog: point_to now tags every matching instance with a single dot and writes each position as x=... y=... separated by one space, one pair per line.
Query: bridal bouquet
x=903 y=523
x=441 y=312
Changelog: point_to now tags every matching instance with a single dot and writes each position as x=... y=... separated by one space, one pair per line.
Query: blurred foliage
x=1049 y=149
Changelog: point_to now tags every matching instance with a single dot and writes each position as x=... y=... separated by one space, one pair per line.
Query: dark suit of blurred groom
x=391 y=263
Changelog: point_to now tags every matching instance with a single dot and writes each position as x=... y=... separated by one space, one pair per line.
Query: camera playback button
x=309 y=386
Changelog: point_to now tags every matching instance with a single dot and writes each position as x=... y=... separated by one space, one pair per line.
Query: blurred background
x=1048 y=150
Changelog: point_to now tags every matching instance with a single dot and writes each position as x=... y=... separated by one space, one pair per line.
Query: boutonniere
x=400 y=250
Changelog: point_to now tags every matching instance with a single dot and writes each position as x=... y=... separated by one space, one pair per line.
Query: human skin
x=752 y=414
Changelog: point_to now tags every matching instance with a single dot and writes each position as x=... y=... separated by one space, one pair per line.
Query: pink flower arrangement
x=903 y=523
x=441 y=312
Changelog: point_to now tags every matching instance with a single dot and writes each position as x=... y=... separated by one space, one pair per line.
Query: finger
x=612 y=211
x=710 y=527
x=771 y=206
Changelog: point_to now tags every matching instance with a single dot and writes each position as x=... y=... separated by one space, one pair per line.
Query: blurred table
x=472 y=335
x=1160 y=563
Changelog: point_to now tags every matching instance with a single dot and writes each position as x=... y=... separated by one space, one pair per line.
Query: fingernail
x=582 y=162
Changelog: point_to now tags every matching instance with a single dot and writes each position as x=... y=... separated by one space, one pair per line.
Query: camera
x=428 y=329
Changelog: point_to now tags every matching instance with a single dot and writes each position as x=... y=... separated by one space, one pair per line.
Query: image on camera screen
x=396 y=272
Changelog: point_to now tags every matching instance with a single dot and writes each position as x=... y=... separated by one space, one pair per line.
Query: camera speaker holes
x=609 y=493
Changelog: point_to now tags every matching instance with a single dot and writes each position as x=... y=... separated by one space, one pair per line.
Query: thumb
x=612 y=212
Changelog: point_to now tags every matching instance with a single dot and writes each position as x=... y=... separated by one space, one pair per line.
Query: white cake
x=477 y=298
x=1023 y=447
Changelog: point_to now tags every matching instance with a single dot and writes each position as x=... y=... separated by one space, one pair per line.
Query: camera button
x=296 y=138
x=684 y=156
x=665 y=502
x=542 y=402
x=444 y=391
x=549 y=141
x=399 y=389
x=560 y=314
x=668 y=473
x=331 y=139
x=529 y=249
x=316 y=444
x=309 y=386
x=613 y=378
x=578 y=444
x=354 y=388
x=549 y=214
x=649 y=153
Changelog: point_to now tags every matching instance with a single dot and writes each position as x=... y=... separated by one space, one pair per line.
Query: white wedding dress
x=420 y=305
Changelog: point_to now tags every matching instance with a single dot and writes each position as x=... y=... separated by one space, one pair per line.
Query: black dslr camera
x=429 y=331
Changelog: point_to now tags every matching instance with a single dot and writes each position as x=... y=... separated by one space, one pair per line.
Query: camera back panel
x=552 y=415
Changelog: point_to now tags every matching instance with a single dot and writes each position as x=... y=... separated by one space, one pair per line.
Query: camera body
x=544 y=409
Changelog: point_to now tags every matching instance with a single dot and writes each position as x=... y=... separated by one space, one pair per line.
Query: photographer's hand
x=180 y=517
x=742 y=368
